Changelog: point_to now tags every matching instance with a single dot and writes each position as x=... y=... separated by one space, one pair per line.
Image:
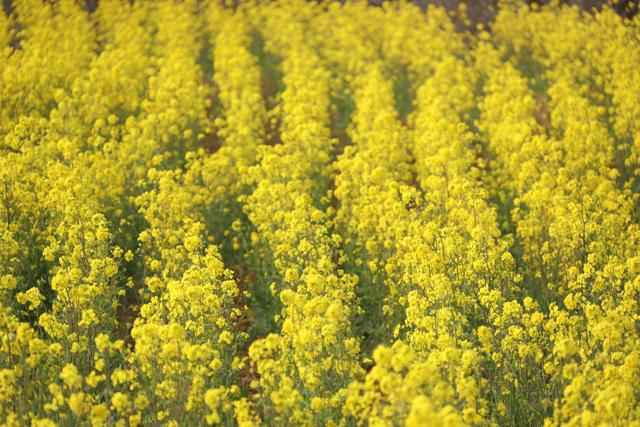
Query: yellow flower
x=33 y=297
x=99 y=415
x=120 y=402
x=79 y=403
x=70 y=376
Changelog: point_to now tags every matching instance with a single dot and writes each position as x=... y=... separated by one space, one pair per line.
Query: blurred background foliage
x=479 y=11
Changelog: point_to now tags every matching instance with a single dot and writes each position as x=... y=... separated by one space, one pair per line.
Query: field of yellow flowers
x=318 y=214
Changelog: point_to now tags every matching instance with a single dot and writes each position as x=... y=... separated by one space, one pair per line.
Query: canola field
x=318 y=214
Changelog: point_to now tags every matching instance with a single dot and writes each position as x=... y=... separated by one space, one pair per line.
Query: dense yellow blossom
x=319 y=213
